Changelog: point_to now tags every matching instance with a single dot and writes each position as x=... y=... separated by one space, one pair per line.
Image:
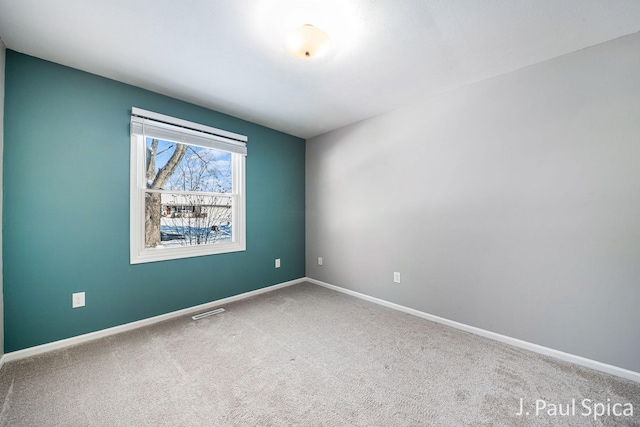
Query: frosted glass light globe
x=306 y=41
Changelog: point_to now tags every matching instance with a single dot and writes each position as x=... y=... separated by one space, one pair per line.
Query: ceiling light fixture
x=306 y=42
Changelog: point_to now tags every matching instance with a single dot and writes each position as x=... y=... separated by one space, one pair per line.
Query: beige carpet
x=304 y=355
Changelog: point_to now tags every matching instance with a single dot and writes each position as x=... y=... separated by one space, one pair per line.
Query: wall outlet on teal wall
x=77 y=300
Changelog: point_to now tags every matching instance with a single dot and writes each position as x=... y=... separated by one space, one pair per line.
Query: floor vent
x=207 y=313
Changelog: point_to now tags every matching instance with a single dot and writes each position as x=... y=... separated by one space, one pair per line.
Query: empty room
x=305 y=212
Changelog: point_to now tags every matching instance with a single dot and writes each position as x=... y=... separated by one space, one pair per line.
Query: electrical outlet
x=277 y=262
x=319 y=260
x=396 y=277
x=77 y=300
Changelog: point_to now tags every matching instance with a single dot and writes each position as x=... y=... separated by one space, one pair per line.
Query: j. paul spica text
x=572 y=408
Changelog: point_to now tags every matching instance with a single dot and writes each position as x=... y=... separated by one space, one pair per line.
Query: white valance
x=159 y=126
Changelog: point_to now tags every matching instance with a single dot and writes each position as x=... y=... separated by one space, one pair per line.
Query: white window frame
x=149 y=124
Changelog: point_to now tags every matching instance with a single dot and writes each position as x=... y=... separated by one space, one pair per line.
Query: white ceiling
x=227 y=55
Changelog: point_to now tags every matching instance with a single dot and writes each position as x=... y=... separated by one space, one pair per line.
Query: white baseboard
x=567 y=357
x=44 y=348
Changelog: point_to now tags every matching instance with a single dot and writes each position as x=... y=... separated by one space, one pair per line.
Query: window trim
x=195 y=134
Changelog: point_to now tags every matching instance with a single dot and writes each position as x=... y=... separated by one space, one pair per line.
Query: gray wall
x=512 y=205
x=2 y=62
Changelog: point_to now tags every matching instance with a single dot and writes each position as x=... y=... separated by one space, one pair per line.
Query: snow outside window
x=187 y=189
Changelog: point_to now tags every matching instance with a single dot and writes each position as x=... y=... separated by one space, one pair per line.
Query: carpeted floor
x=306 y=355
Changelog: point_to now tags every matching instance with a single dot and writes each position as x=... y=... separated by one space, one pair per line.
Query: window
x=187 y=189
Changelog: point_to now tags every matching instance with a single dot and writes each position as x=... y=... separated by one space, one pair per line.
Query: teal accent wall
x=66 y=208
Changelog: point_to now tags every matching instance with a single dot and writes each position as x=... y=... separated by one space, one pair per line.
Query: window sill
x=165 y=254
